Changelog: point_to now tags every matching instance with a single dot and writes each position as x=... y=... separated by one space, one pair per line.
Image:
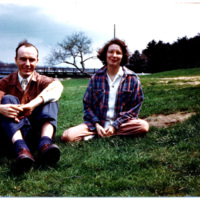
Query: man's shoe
x=49 y=154
x=24 y=160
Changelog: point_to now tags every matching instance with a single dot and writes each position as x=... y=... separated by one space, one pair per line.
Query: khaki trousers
x=134 y=127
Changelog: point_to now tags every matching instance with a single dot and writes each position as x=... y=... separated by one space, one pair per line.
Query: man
x=30 y=109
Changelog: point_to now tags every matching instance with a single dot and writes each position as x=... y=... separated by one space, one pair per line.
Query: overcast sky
x=45 y=23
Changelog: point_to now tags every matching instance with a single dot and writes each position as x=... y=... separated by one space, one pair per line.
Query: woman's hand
x=100 y=130
x=105 y=132
x=110 y=131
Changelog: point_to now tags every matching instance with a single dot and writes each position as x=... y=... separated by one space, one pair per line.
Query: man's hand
x=11 y=111
x=29 y=107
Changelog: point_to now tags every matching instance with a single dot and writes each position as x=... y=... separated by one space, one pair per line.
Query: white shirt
x=113 y=87
x=20 y=78
x=52 y=92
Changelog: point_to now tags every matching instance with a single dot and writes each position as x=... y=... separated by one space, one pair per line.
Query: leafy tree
x=138 y=62
x=70 y=50
x=183 y=53
x=151 y=52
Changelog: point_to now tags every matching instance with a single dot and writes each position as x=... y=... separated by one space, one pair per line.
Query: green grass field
x=164 y=163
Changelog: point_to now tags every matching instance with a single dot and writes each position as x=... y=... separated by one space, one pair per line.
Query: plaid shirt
x=128 y=101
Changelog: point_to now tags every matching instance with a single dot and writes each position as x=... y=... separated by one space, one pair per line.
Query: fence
x=58 y=72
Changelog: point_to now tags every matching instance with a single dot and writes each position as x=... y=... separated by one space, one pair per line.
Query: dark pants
x=44 y=113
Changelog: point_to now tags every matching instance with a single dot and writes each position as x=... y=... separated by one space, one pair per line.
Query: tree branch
x=89 y=58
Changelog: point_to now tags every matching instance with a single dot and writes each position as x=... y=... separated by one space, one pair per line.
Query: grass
x=164 y=163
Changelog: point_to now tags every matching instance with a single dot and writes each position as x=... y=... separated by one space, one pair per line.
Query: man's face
x=26 y=60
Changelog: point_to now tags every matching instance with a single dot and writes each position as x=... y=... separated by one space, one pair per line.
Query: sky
x=47 y=22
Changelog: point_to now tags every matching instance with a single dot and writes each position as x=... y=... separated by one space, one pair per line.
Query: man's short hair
x=26 y=44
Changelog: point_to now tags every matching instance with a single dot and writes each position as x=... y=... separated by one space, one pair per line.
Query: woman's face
x=114 y=55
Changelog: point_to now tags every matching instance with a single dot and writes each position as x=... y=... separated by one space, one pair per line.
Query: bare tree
x=71 y=50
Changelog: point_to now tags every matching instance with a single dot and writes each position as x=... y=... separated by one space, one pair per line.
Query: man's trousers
x=40 y=115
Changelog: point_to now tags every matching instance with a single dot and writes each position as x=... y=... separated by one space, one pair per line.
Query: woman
x=112 y=100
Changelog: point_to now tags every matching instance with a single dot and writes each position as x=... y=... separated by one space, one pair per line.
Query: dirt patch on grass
x=182 y=80
x=168 y=120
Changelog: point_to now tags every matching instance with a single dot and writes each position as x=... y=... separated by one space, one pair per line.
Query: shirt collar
x=20 y=78
x=125 y=70
x=120 y=72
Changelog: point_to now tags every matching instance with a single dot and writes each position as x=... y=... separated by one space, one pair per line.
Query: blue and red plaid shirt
x=128 y=101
